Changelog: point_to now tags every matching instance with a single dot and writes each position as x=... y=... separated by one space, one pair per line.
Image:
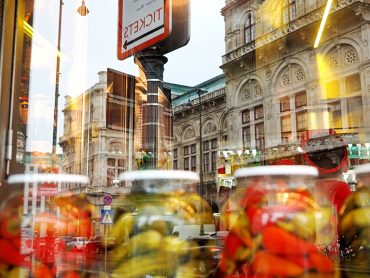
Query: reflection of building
x=98 y=132
x=103 y=133
x=278 y=86
x=107 y=147
x=186 y=153
x=37 y=196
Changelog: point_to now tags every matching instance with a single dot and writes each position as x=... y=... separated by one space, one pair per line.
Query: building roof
x=189 y=93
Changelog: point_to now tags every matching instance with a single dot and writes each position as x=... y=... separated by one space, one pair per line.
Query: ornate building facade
x=210 y=97
x=279 y=87
x=276 y=89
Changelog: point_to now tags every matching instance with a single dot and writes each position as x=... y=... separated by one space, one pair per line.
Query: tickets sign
x=142 y=23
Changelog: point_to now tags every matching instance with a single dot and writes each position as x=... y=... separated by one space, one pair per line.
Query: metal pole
x=56 y=94
x=105 y=249
x=152 y=64
x=201 y=163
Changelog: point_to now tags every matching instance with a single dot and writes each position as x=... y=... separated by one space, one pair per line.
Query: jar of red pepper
x=276 y=230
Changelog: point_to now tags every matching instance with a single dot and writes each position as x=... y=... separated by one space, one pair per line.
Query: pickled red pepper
x=265 y=263
x=279 y=241
x=10 y=254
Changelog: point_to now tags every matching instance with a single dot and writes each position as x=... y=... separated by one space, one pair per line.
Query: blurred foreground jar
x=354 y=227
x=155 y=203
x=276 y=231
x=39 y=211
x=12 y=262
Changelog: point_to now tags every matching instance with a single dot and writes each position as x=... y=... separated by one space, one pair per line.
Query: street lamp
x=82 y=10
x=199 y=92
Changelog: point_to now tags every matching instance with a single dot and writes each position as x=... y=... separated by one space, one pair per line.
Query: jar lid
x=47 y=178
x=277 y=170
x=159 y=175
x=362 y=169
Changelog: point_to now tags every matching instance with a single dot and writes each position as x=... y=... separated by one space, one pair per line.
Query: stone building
x=276 y=88
x=188 y=136
x=279 y=86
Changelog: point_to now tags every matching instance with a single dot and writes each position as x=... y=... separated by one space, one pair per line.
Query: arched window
x=249 y=29
x=289 y=11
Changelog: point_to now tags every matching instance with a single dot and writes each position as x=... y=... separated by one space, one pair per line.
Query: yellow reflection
x=325 y=74
x=271 y=12
x=319 y=120
x=109 y=88
x=30 y=32
x=322 y=24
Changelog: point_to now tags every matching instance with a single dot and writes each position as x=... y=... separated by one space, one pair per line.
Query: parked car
x=186 y=231
x=77 y=243
x=94 y=244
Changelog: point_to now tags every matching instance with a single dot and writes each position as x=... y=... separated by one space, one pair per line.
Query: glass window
x=300 y=100
x=213 y=161
x=186 y=150
x=289 y=11
x=285 y=124
x=186 y=163
x=121 y=163
x=258 y=113
x=284 y=104
x=249 y=29
x=301 y=119
x=205 y=145
x=194 y=163
x=355 y=114
x=353 y=83
x=175 y=153
x=260 y=136
x=335 y=111
x=111 y=162
x=286 y=129
x=247 y=136
x=245 y=116
x=193 y=148
x=214 y=143
x=206 y=163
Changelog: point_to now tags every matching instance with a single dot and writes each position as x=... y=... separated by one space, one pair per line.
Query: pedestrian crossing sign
x=106 y=216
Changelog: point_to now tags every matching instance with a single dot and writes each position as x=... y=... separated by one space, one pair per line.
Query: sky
x=200 y=59
x=89 y=45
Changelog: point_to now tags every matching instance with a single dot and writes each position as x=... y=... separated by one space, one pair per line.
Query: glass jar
x=157 y=223
x=276 y=230
x=45 y=212
x=354 y=226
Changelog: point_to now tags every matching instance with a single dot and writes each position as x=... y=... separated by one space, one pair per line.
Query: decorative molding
x=299 y=23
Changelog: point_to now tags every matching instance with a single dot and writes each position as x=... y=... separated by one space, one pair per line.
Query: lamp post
x=82 y=10
x=56 y=94
x=199 y=93
x=200 y=161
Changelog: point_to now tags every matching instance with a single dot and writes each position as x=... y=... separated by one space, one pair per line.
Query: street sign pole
x=149 y=30
x=105 y=249
x=152 y=64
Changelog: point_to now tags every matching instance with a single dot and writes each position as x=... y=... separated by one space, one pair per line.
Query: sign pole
x=152 y=63
x=105 y=249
